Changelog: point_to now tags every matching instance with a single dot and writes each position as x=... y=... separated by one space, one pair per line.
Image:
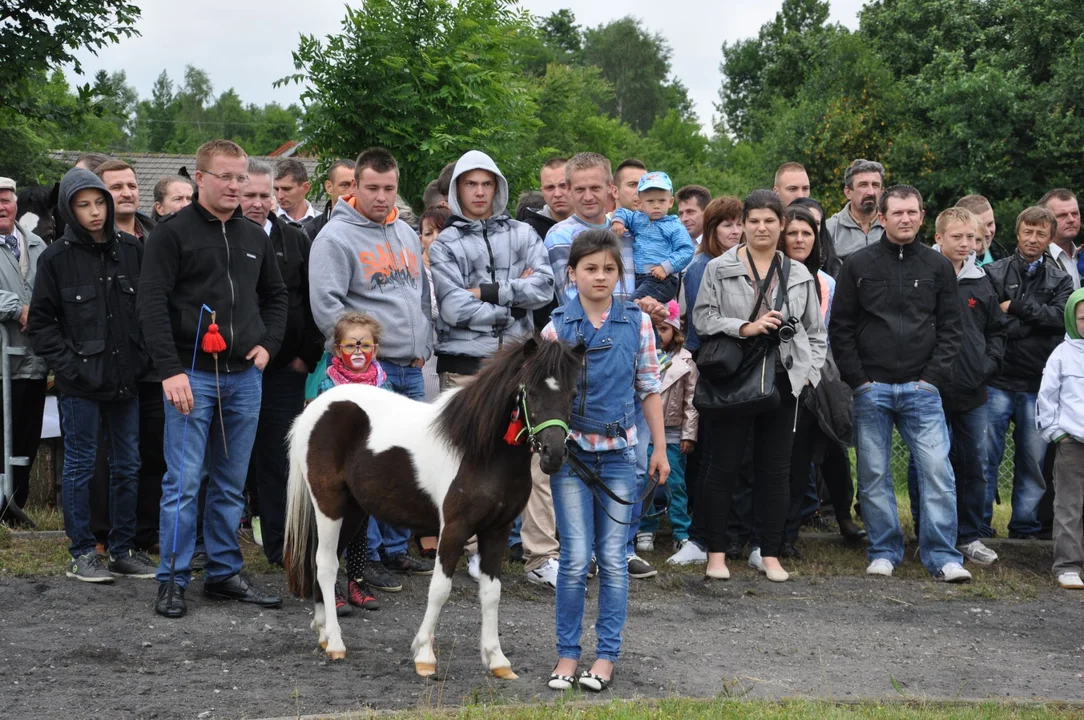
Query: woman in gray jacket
x=733 y=283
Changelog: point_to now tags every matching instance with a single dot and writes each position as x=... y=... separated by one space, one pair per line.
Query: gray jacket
x=490 y=255
x=725 y=302
x=15 y=292
x=362 y=266
x=848 y=235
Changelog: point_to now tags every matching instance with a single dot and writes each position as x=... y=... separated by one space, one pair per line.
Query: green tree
x=427 y=79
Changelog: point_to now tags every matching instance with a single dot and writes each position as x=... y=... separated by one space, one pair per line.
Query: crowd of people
x=734 y=350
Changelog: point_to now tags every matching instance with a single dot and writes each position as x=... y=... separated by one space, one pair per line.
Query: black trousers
x=741 y=522
x=771 y=436
x=283 y=400
x=27 y=409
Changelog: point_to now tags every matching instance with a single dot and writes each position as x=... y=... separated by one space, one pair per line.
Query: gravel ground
x=71 y=650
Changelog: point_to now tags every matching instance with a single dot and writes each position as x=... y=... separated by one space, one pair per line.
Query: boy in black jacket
x=208 y=256
x=959 y=238
x=83 y=322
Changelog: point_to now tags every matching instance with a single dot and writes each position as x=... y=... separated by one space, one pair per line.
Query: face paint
x=359 y=360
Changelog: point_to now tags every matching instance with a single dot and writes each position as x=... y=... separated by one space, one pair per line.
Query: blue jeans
x=915 y=408
x=1028 y=485
x=119 y=420
x=643 y=439
x=241 y=397
x=584 y=528
x=405 y=380
x=514 y=537
x=679 y=496
x=967 y=454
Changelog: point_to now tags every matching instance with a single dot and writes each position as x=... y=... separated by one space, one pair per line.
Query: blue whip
x=184 y=441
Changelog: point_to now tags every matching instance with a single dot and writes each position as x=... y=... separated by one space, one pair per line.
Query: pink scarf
x=340 y=374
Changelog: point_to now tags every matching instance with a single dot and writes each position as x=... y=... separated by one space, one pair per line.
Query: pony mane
x=477 y=416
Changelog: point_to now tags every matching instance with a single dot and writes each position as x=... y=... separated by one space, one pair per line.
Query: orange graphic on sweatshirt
x=383 y=268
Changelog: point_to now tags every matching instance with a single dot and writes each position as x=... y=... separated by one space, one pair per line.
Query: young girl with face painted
x=353 y=361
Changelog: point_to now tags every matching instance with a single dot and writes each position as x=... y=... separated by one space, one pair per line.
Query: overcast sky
x=246 y=45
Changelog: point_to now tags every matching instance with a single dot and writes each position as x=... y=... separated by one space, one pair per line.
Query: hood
x=970 y=270
x=478 y=160
x=75 y=180
x=1070 y=314
x=347 y=210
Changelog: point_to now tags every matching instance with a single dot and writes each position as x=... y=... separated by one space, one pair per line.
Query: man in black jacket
x=895 y=333
x=284 y=377
x=209 y=257
x=1032 y=291
x=960 y=238
x=83 y=321
x=340 y=182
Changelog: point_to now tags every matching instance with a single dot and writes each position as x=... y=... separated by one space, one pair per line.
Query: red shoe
x=341 y=606
x=361 y=596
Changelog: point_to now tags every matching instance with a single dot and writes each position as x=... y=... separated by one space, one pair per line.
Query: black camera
x=787 y=329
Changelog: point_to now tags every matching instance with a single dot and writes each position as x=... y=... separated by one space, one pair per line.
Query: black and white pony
x=460 y=466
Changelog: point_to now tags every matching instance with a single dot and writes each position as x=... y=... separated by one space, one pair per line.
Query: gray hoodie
x=362 y=266
x=847 y=234
x=490 y=255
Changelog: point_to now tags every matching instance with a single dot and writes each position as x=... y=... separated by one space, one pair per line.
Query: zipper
x=763 y=373
x=899 y=338
x=492 y=274
x=233 y=297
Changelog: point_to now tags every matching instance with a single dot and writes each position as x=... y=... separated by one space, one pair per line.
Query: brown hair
x=954 y=215
x=1036 y=215
x=900 y=192
x=213 y=149
x=436 y=216
x=112 y=166
x=977 y=204
x=788 y=167
x=718 y=211
x=677 y=342
x=694 y=192
x=351 y=319
x=1057 y=194
x=586 y=161
x=377 y=159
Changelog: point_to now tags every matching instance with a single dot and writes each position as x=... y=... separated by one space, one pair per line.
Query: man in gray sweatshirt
x=857 y=226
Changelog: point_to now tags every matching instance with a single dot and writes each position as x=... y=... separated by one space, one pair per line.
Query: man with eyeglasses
x=209 y=256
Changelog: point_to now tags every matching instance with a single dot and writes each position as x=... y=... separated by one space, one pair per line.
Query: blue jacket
x=605 y=390
x=664 y=242
x=694 y=274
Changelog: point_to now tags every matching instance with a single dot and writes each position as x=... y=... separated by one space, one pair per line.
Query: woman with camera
x=754 y=294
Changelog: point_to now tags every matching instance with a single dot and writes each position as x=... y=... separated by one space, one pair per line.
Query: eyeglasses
x=351 y=348
x=228 y=177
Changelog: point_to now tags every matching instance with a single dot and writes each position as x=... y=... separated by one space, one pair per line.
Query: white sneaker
x=883 y=567
x=474 y=567
x=978 y=553
x=1070 y=581
x=954 y=573
x=688 y=553
x=754 y=559
x=645 y=542
x=544 y=574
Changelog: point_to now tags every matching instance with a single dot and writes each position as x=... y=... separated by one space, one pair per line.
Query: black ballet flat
x=595 y=683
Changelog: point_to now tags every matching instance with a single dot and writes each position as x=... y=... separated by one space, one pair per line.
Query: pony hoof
x=504 y=673
x=336 y=654
x=323 y=644
x=425 y=669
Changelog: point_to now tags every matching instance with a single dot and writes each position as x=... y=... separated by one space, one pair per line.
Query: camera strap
x=764 y=286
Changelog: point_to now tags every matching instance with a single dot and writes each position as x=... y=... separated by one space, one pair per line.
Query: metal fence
x=901 y=455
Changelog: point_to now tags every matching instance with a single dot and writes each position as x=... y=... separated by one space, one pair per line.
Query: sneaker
x=880 y=566
x=88 y=568
x=544 y=574
x=734 y=550
x=790 y=551
x=954 y=573
x=257 y=531
x=645 y=542
x=133 y=564
x=403 y=563
x=688 y=553
x=342 y=607
x=640 y=569
x=377 y=576
x=592 y=567
x=754 y=559
x=978 y=553
x=358 y=593
x=199 y=562
x=1070 y=581
x=474 y=567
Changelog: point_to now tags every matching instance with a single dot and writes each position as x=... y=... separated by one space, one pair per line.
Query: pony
x=457 y=468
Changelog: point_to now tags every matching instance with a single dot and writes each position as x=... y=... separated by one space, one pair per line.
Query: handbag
x=750 y=389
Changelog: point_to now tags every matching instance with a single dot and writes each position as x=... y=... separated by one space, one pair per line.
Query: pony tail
x=299 y=537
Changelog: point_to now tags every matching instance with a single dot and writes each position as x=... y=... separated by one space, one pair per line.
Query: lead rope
x=214 y=343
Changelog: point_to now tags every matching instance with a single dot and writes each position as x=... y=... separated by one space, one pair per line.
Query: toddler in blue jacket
x=662 y=247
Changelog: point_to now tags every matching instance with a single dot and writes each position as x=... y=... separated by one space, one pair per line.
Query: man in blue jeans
x=209 y=257
x=1032 y=290
x=895 y=332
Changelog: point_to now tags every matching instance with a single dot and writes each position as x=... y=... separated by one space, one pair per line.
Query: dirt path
x=69 y=650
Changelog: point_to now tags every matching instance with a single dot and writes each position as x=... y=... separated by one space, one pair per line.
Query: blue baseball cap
x=655 y=181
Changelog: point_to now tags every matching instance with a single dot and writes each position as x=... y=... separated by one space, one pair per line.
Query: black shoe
x=1045 y=534
x=378 y=577
x=342 y=607
x=734 y=550
x=198 y=562
x=850 y=530
x=403 y=563
x=515 y=553
x=790 y=551
x=239 y=588
x=1023 y=536
x=171 y=602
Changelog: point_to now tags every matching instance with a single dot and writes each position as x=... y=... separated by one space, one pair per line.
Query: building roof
x=152 y=167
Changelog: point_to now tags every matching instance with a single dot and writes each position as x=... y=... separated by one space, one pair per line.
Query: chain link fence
x=901 y=456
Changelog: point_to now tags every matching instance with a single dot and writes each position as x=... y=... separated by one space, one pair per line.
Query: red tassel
x=511 y=436
x=213 y=342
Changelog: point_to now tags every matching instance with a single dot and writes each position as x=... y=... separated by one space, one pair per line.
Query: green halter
x=533 y=430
